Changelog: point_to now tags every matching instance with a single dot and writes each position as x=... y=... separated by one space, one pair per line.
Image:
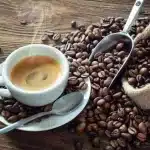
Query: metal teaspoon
x=63 y=105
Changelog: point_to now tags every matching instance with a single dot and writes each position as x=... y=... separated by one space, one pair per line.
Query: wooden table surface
x=53 y=15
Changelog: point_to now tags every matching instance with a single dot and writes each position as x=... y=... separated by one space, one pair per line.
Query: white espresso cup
x=33 y=98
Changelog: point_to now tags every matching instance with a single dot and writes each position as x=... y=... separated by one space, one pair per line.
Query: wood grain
x=56 y=15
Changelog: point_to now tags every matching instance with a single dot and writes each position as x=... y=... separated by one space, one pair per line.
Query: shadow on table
x=58 y=139
x=48 y=140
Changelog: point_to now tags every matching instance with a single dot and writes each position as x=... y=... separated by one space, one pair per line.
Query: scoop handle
x=133 y=15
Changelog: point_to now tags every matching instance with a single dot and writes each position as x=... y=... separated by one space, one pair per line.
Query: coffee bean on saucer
x=13 y=119
x=5 y=114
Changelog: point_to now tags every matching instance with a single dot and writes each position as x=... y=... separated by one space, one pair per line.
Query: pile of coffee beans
x=110 y=112
x=138 y=71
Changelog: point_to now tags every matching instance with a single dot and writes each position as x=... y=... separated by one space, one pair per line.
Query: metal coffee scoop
x=121 y=37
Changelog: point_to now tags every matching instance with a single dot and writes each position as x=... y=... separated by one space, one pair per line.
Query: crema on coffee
x=35 y=73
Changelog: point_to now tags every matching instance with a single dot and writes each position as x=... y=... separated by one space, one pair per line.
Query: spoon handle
x=24 y=121
x=133 y=15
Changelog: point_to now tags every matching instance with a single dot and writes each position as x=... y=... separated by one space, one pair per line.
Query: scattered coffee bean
x=73 y=24
x=56 y=37
x=45 y=38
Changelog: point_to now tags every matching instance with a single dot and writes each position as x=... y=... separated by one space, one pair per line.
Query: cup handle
x=3 y=92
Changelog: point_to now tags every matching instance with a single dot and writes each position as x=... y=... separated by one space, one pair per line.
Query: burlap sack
x=141 y=96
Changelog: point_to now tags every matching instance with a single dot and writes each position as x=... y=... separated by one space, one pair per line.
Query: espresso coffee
x=35 y=73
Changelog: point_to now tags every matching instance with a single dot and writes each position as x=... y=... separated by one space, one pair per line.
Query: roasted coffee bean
x=100 y=102
x=15 y=108
x=13 y=119
x=138 y=118
x=119 y=46
x=105 y=91
x=142 y=127
x=117 y=124
x=123 y=128
x=81 y=127
x=78 y=145
x=108 y=81
x=9 y=102
x=45 y=38
x=121 y=142
x=77 y=74
x=22 y=115
x=107 y=98
x=73 y=24
x=132 y=81
x=117 y=95
x=110 y=125
x=102 y=124
x=109 y=148
x=114 y=116
x=85 y=75
x=127 y=136
x=122 y=54
x=115 y=133
x=143 y=71
x=142 y=137
x=121 y=112
x=132 y=130
x=50 y=34
x=95 y=86
x=70 y=53
x=128 y=109
x=102 y=74
x=83 y=86
x=114 y=143
x=96 y=142
x=8 y=107
x=108 y=133
x=107 y=60
x=81 y=69
x=73 y=80
x=94 y=74
x=5 y=114
x=90 y=113
x=56 y=37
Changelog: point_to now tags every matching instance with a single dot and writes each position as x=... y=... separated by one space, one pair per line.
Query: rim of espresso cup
x=64 y=69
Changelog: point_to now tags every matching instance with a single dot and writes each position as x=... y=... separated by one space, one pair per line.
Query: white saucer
x=55 y=121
